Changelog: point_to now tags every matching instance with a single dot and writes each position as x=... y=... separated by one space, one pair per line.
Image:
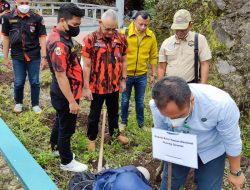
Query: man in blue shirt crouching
x=213 y=116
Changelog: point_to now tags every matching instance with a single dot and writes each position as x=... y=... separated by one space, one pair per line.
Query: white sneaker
x=37 y=109
x=147 y=129
x=18 y=108
x=122 y=127
x=74 y=166
x=57 y=154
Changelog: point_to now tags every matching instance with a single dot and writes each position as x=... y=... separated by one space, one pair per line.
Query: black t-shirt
x=4 y=6
x=24 y=33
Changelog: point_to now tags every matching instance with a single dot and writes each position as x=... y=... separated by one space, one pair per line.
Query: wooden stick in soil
x=169 y=175
x=170 y=167
x=99 y=167
x=159 y=172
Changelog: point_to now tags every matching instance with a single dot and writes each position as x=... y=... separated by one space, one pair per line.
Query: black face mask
x=73 y=30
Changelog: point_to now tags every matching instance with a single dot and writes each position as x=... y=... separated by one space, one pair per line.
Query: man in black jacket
x=24 y=32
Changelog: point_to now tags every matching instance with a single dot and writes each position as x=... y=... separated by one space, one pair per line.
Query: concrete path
x=8 y=181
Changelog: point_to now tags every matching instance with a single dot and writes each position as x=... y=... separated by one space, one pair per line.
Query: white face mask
x=179 y=122
x=23 y=8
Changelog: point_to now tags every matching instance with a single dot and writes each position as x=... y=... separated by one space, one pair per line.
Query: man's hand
x=123 y=86
x=4 y=12
x=74 y=108
x=152 y=80
x=7 y=11
x=43 y=64
x=7 y=63
x=236 y=181
x=87 y=94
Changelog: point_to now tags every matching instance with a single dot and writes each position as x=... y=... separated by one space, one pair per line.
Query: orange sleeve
x=87 y=47
x=125 y=44
x=59 y=56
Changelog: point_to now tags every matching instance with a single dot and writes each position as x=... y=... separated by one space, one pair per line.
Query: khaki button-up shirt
x=179 y=55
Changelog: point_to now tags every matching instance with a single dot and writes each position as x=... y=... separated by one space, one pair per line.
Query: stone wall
x=226 y=25
x=232 y=27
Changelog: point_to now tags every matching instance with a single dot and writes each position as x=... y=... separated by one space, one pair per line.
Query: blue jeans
x=208 y=176
x=139 y=83
x=21 y=68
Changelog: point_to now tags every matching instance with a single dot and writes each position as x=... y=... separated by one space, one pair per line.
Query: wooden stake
x=159 y=171
x=169 y=175
x=99 y=167
x=170 y=167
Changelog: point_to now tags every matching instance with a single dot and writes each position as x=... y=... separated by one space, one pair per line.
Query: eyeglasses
x=24 y=3
x=109 y=29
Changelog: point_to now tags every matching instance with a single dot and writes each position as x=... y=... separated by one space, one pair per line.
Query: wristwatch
x=44 y=57
x=236 y=173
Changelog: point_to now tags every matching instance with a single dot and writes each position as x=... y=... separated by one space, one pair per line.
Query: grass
x=34 y=132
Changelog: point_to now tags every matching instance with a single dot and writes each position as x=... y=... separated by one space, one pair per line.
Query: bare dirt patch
x=6 y=78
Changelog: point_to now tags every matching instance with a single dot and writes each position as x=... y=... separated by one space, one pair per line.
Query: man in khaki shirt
x=176 y=56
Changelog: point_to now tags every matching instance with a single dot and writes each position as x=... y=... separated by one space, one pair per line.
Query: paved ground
x=8 y=181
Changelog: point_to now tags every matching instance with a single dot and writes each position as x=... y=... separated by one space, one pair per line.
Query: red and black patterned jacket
x=106 y=61
x=62 y=57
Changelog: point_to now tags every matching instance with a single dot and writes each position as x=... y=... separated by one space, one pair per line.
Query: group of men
x=115 y=62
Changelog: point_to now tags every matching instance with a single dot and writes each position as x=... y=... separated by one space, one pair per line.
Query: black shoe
x=141 y=125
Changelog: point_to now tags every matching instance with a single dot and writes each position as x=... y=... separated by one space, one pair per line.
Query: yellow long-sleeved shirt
x=140 y=53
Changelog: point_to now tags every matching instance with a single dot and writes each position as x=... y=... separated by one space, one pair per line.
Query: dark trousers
x=63 y=129
x=208 y=176
x=95 y=112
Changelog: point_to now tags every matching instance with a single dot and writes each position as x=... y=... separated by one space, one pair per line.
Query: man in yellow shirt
x=143 y=49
